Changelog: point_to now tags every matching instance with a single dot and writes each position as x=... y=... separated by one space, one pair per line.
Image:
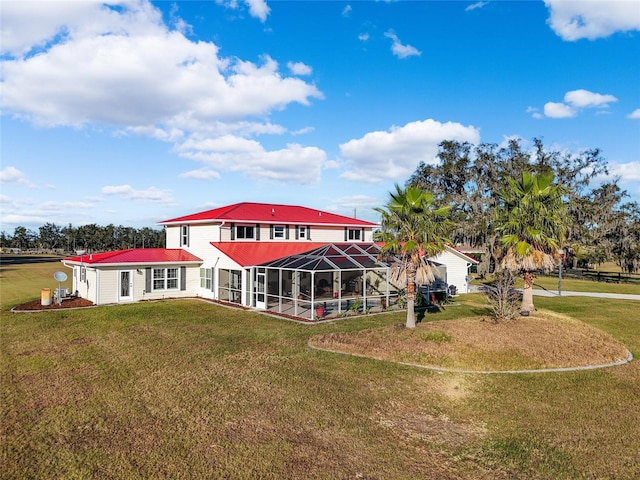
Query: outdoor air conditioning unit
x=61 y=292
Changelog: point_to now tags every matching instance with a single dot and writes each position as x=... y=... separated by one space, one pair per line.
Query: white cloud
x=574 y=102
x=299 y=68
x=11 y=175
x=574 y=20
x=151 y=194
x=294 y=163
x=475 y=6
x=258 y=9
x=349 y=203
x=635 y=115
x=363 y=37
x=628 y=172
x=534 y=113
x=346 y=11
x=394 y=154
x=400 y=50
x=29 y=213
x=558 y=110
x=100 y=65
x=303 y=131
x=584 y=99
x=200 y=174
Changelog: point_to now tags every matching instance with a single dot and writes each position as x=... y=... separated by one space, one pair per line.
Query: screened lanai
x=325 y=282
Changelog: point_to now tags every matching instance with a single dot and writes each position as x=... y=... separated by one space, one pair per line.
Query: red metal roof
x=269 y=213
x=136 y=255
x=248 y=254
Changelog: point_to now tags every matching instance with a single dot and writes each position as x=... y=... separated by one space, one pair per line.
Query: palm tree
x=531 y=219
x=412 y=229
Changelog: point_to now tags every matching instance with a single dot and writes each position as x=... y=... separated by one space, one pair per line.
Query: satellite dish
x=60 y=276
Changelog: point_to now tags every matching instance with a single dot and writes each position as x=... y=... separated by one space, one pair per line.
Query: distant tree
x=22 y=238
x=624 y=237
x=51 y=236
x=468 y=178
x=413 y=228
x=531 y=219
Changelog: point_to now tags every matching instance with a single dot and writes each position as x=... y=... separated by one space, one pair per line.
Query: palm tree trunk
x=411 y=297
x=527 y=292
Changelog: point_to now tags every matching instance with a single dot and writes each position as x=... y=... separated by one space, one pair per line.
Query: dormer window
x=278 y=231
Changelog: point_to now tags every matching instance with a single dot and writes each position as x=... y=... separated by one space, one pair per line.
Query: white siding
x=109 y=286
x=103 y=287
x=202 y=235
x=172 y=236
x=457 y=269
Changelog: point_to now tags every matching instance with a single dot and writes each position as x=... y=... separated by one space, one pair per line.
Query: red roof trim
x=462 y=254
x=269 y=213
x=135 y=256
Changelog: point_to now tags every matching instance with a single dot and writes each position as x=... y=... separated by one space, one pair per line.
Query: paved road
x=554 y=293
x=23 y=259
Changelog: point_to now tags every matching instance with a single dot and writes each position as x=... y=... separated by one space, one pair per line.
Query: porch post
x=313 y=293
x=279 y=290
x=364 y=289
x=296 y=290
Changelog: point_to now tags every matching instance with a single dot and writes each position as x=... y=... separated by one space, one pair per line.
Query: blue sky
x=131 y=112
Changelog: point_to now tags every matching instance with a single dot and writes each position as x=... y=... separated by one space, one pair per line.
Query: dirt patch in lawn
x=545 y=340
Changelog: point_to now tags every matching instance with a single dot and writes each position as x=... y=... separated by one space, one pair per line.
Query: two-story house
x=282 y=258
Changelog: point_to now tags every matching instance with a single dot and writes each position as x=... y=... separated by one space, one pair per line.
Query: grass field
x=576 y=285
x=188 y=389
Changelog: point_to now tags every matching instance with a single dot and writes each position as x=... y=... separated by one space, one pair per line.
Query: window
x=302 y=232
x=354 y=234
x=230 y=285
x=165 y=278
x=278 y=231
x=245 y=232
x=83 y=273
x=184 y=235
x=205 y=278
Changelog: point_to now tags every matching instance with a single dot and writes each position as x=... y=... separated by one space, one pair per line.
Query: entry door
x=126 y=285
x=261 y=277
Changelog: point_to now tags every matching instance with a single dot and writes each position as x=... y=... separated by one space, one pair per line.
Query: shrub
x=503 y=298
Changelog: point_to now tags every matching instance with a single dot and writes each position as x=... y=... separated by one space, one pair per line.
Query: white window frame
x=243 y=229
x=302 y=232
x=279 y=231
x=354 y=234
x=205 y=278
x=184 y=235
x=167 y=278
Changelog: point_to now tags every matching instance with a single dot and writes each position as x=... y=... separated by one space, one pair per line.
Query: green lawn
x=188 y=389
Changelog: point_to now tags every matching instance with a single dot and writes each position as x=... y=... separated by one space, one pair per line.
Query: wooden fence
x=598 y=276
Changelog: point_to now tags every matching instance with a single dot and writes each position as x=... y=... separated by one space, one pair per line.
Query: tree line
x=91 y=238
x=601 y=224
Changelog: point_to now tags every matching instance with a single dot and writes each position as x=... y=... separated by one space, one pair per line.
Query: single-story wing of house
x=282 y=258
x=133 y=275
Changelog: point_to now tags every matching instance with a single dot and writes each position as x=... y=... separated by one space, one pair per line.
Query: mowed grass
x=22 y=282
x=577 y=285
x=188 y=389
